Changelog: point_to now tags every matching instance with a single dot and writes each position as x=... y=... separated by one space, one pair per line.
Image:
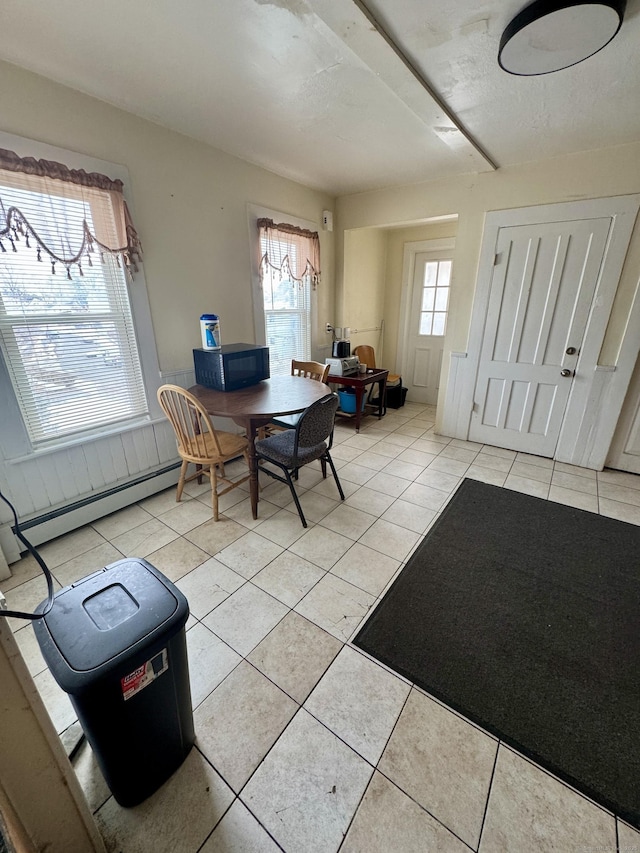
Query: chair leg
x=323 y=465
x=335 y=475
x=295 y=498
x=214 y=491
x=183 y=474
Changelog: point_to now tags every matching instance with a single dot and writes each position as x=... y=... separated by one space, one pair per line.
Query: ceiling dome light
x=549 y=35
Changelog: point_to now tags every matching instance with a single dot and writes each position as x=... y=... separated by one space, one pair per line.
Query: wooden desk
x=256 y=405
x=360 y=381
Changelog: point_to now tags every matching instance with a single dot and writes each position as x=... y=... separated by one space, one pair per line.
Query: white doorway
x=546 y=285
x=427 y=277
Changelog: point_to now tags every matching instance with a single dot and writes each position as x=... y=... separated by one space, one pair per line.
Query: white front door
x=427 y=325
x=543 y=283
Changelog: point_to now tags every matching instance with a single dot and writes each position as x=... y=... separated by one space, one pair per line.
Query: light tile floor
x=303 y=742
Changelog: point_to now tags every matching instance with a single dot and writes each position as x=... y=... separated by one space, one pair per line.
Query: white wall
x=362 y=294
x=190 y=208
x=369 y=283
x=614 y=171
x=189 y=205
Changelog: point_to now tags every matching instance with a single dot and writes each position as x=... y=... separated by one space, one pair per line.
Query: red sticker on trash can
x=144 y=675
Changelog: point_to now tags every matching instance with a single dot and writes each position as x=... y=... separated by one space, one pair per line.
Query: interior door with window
x=428 y=324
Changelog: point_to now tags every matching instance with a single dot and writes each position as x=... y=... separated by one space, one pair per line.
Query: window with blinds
x=287 y=315
x=67 y=336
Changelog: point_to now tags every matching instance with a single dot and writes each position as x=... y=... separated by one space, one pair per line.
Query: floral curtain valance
x=101 y=222
x=292 y=252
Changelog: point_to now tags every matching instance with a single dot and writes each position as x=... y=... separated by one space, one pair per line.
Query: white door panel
x=421 y=367
x=543 y=284
x=427 y=366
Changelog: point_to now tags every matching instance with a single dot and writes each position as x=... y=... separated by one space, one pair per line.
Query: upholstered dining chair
x=290 y=449
x=308 y=370
x=200 y=443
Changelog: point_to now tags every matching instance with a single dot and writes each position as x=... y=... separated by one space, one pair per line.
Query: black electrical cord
x=18 y=613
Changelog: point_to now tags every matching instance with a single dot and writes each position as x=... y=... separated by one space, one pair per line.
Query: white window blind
x=287 y=314
x=67 y=336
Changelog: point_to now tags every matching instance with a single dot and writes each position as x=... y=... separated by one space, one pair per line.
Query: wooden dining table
x=258 y=404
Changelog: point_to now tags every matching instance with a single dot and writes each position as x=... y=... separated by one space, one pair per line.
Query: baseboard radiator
x=56 y=522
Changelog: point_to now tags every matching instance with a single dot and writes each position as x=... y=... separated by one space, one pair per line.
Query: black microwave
x=232 y=366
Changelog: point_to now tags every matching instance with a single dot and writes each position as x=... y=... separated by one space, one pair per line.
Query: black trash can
x=396 y=395
x=115 y=642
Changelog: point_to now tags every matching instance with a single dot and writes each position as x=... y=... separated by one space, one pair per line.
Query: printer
x=346 y=366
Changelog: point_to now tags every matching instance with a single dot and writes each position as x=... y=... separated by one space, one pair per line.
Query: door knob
x=566 y=372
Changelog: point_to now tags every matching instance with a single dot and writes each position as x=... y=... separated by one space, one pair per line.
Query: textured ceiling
x=335 y=94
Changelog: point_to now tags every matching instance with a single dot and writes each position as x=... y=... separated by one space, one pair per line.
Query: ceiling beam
x=417 y=74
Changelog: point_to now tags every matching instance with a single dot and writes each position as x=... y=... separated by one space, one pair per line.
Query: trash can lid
x=101 y=616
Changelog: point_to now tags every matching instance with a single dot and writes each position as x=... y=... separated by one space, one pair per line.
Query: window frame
x=436 y=287
x=254 y=213
x=14 y=438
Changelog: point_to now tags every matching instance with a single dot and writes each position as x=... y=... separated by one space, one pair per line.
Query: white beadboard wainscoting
x=58 y=490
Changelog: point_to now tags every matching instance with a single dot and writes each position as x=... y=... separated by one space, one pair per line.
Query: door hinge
x=475 y=407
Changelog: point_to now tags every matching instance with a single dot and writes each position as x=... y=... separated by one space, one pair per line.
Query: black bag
x=394 y=397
